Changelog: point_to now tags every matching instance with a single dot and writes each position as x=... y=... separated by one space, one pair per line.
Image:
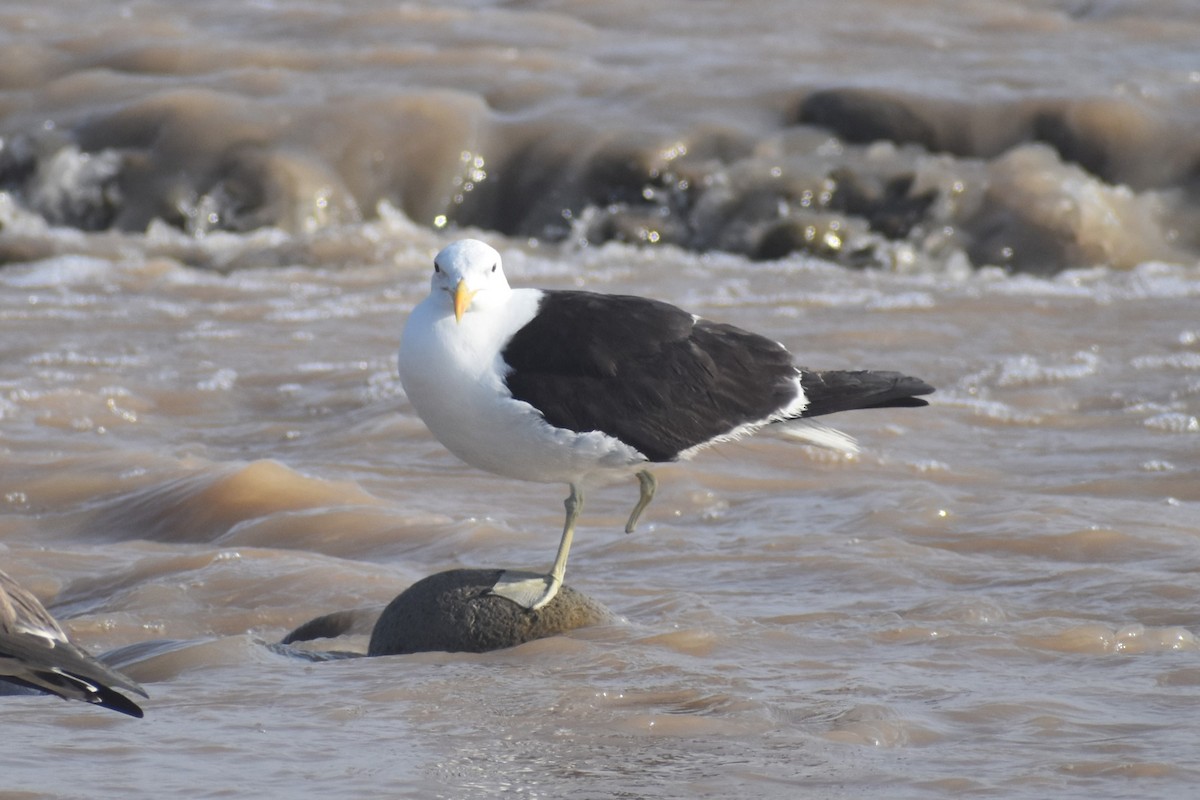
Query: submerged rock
x=454 y=611
x=351 y=622
x=862 y=117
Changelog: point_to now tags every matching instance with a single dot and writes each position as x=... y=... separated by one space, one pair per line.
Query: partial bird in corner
x=35 y=653
x=581 y=388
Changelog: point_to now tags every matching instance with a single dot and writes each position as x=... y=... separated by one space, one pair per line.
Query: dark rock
x=1072 y=144
x=862 y=117
x=888 y=205
x=18 y=160
x=454 y=611
x=778 y=241
x=639 y=225
x=353 y=622
x=1007 y=238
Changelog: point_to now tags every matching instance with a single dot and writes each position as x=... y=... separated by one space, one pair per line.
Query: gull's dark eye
x=494 y=267
x=436 y=268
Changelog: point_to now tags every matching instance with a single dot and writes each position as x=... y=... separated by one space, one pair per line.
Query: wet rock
x=453 y=611
x=1005 y=237
x=889 y=206
x=18 y=160
x=352 y=622
x=1115 y=140
x=1073 y=145
x=824 y=235
x=639 y=225
x=862 y=117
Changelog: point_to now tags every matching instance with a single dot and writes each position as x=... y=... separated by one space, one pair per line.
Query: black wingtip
x=909 y=402
x=115 y=701
x=70 y=687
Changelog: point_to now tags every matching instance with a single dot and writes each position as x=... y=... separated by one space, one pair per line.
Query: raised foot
x=647 y=485
x=527 y=589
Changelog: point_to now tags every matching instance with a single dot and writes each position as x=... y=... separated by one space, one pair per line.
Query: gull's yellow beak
x=462 y=299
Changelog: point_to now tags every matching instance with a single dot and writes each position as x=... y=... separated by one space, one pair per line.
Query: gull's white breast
x=453 y=375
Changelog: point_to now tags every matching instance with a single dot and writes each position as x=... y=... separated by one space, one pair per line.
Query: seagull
x=576 y=387
x=36 y=653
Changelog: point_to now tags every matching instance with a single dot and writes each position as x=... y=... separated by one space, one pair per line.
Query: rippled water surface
x=203 y=443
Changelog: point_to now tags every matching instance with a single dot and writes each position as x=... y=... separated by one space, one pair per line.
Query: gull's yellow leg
x=648 y=484
x=534 y=591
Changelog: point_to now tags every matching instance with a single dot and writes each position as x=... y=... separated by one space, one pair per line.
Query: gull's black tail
x=835 y=390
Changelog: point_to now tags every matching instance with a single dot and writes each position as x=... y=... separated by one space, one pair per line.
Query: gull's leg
x=534 y=591
x=648 y=485
x=573 y=504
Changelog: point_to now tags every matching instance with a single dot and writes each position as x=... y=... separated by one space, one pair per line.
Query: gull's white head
x=469 y=273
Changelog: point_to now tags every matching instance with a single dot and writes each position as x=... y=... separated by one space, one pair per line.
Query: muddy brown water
x=203 y=442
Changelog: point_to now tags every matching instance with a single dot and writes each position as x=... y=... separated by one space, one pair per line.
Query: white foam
x=221 y=381
x=57 y=272
x=1172 y=361
x=1173 y=422
x=1028 y=370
